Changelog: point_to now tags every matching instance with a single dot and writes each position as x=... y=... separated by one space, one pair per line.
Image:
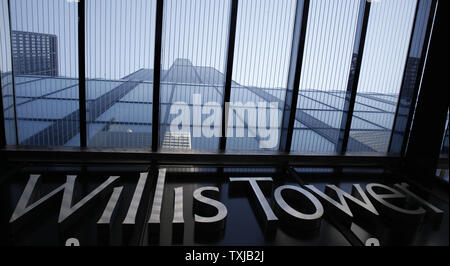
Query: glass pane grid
x=120 y=42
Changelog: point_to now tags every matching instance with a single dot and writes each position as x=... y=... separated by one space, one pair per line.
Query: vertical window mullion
x=157 y=74
x=295 y=68
x=355 y=69
x=82 y=73
x=229 y=70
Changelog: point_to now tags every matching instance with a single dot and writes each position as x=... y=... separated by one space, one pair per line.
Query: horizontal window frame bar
x=96 y=155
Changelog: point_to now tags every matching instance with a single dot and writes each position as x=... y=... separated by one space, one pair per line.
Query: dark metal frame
x=76 y=155
x=400 y=131
x=346 y=231
x=13 y=82
x=352 y=87
x=157 y=74
x=295 y=68
x=229 y=70
x=82 y=73
x=2 y=116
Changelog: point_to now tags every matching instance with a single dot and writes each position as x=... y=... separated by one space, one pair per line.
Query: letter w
x=342 y=204
x=23 y=207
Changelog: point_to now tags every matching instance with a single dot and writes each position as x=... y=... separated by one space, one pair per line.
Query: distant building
x=34 y=53
x=411 y=71
x=177 y=140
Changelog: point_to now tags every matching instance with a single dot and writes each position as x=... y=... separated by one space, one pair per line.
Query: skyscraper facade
x=35 y=53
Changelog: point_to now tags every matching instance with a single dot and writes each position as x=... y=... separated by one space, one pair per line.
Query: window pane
x=120 y=38
x=45 y=56
x=328 y=56
x=194 y=45
x=261 y=64
x=382 y=69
